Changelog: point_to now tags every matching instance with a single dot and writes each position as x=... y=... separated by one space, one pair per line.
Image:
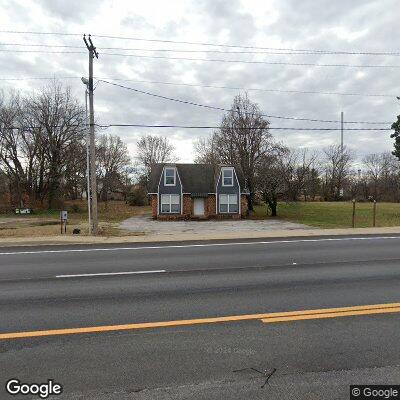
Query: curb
x=69 y=240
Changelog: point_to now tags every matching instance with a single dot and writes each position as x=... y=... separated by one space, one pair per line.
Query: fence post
x=374 y=213
x=354 y=214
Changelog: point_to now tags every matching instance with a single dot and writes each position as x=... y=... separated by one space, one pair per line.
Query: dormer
x=170 y=176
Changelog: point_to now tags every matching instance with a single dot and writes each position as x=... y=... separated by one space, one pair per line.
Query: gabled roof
x=195 y=178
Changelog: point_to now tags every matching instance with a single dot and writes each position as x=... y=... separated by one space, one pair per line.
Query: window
x=228 y=203
x=227 y=177
x=169 y=177
x=170 y=203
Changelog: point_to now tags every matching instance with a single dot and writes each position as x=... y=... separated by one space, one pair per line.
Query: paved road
x=144 y=223
x=59 y=287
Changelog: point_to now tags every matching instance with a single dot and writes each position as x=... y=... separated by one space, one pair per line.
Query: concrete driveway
x=149 y=226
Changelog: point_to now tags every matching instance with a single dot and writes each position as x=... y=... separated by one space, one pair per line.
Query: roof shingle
x=195 y=178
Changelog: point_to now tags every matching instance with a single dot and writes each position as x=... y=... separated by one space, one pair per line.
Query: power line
x=41 y=51
x=42 y=33
x=245 y=128
x=212 y=86
x=254 y=89
x=271 y=51
x=28 y=78
x=319 y=51
x=248 y=47
x=229 y=110
x=289 y=128
x=43 y=45
x=297 y=64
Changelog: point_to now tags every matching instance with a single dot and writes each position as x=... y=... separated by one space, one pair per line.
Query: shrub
x=137 y=197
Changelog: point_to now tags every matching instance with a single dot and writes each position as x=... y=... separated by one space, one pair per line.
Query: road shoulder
x=235 y=235
x=302 y=386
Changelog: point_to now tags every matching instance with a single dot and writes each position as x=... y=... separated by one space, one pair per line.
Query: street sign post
x=63 y=221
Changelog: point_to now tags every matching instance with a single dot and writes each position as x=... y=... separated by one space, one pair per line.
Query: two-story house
x=196 y=191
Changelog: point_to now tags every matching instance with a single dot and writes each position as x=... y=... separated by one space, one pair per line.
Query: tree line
x=43 y=158
x=272 y=171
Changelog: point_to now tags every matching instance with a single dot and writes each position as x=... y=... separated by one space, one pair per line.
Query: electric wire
x=319 y=51
x=210 y=86
x=174 y=50
x=229 y=110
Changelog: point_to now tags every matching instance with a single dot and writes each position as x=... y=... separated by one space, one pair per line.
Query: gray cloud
x=70 y=10
x=350 y=25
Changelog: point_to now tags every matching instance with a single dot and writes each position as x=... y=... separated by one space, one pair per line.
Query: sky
x=260 y=27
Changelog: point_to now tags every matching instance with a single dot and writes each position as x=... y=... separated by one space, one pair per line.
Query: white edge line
x=112 y=273
x=201 y=245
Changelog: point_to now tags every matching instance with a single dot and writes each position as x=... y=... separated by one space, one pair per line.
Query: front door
x=198 y=207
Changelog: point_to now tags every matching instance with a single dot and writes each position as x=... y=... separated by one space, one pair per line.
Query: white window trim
x=170 y=203
x=165 y=176
x=229 y=203
x=222 y=172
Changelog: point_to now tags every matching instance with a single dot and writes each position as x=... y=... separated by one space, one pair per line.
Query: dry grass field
x=335 y=214
x=47 y=223
x=318 y=214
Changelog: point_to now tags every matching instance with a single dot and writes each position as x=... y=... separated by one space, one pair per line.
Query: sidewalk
x=284 y=233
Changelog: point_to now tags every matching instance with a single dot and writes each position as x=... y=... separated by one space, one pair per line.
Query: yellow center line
x=331 y=315
x=267 y=317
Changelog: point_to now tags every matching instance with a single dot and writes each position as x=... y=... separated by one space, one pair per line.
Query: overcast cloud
x=308 y=24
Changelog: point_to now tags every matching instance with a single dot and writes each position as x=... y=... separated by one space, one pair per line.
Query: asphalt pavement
x=116 y=290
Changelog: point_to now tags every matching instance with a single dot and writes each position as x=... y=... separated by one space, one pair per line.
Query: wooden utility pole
x=341 y=189
x=93 y=182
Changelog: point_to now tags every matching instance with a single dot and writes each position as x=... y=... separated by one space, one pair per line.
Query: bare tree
x=312 y=186
x=112 y=160
x=12 y=154
x=60 y=122
x=381 y=176
x=75 y=172
x=150 y=150
x=242 y=140
x=337 y=167
x=373 y=166
x=206 y=150
x=4 y=189
x=270 y=177
x=297 y=167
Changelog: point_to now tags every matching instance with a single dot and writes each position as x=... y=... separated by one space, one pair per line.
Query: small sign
x=23 y=211
x=63 y=221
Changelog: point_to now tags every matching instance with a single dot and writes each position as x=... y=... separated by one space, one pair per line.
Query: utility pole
x=93 y=183
x=89 y=196
x=341 y=150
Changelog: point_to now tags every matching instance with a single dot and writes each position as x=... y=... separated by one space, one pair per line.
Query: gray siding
x=162 y=189
x=235 y=189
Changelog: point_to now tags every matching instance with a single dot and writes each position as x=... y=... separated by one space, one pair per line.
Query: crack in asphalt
x=266 y=373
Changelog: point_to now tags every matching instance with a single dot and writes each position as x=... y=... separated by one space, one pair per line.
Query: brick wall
x=153 y=203
x=187 y=206
x=244 y=206
x=170 y=217
x=209 y=206
x=209 y=209
x=228 y=216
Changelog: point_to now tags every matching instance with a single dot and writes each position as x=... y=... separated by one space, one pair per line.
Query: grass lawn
x=335 y=214
x=47 y=223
